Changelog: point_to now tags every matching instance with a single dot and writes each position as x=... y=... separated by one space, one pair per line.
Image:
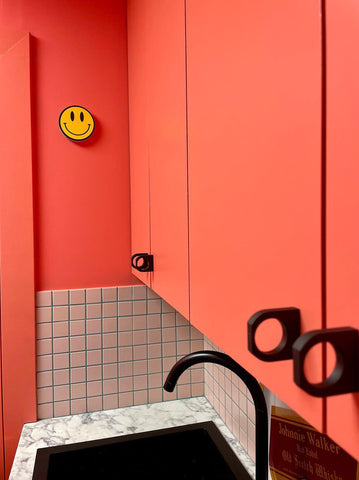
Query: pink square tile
x=155 y=395
x=168 y=363
x=140 y=352
x=154 y=321
x=183 y=348
x=184 y=391
x=78 y=406
x=43 y=299
x=125 y=384
x=78 y=390
x=125 y=323
x=155 y=380
x=60 y=314
x=78 y=359
x=154 y=306
x=109 y=340
x=140 y=382
x=183 y=333
x=77 y=312
x=155 y=365
x=44 y=347
x=151 y=294
x=243 y=402
x=94 y=310
x=139 y=292
x=124 y=293
x=110 y=402
x=45 y=395
x=166 y=307
x=60 y=297
x=94 y=372
x=126 y=369
x=126 y=399
x=109 y=386
x=94 y=404
x=93 y=295
x=62 y=377
x=140 y=397
x=169 y=349
x=124 y=309
x=43 y=314
x=45 y=411
x=110 y=370
x=169 y=395
x=61 y=345
x=125 y=354
x=94 y=326
x=44 y=379
x=251 y=412
x=125 y=339
x=196 y=345
x=94 y=357
x=109 y=309
x=43 y=362
x=185 y=377
x=61 y=360
x=94 y=342
x=77 y=296
x=139 y=307
x=155 y=335
x=61 y=329
x=110 y=355
x=94 y=388
x=77 y=327
x=196 y=334
x=197 y=375
x=169 y=320
x=139 y=337
x=154 y=350
x=110 y=324
x=61 y=392
x=140 y=322
x=181 y=320
x=109 y=294
x=140 y=367
x=78 y=374
x=243 y=438
x=43 y=330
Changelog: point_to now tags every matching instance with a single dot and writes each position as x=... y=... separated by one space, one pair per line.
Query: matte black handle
x=345 y=376
x=147 y=262
x=289 y=318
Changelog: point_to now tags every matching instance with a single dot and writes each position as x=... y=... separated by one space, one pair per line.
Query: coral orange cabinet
x=254 y=140
x=343 y=199
x=157 y=87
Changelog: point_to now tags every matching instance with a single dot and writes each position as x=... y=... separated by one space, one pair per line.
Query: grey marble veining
x=109 y=423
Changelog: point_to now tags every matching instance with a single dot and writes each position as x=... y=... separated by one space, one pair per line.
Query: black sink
x=191 y=452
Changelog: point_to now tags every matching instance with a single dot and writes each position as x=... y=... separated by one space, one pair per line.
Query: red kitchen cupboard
x=158 y=98
x=254 y=156
x=342 y=21
x=18 y=386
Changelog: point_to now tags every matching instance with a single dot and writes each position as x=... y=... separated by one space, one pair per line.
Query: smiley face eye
x=72 y=116
x=82 y=116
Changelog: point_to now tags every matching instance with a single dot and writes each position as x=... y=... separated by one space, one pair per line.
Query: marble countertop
x=110 y=423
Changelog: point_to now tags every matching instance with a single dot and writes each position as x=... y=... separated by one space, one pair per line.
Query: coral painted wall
x=81 y=190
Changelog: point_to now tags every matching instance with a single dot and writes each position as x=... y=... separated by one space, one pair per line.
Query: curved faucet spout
x=252 y=385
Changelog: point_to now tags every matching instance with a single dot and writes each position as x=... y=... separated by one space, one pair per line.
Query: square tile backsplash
x=103 y=348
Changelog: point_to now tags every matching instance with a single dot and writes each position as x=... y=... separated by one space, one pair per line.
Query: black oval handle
x=147 y=262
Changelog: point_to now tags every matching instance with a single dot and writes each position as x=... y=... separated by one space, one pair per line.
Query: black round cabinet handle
x=345 y=376
x=289 y=318
x=143 y=262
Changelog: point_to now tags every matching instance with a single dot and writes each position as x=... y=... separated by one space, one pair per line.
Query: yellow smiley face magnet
x=76 y=123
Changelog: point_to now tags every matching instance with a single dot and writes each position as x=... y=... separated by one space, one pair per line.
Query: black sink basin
x=191 y=452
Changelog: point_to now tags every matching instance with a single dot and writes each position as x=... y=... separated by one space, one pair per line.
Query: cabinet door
x=254 y=136
x=166 y=85
x=343 y=199
x=139 y=164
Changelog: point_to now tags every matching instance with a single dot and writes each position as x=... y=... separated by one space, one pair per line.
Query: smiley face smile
x=78 y=134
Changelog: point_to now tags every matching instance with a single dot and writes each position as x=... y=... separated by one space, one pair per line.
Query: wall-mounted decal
x=76 y=123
